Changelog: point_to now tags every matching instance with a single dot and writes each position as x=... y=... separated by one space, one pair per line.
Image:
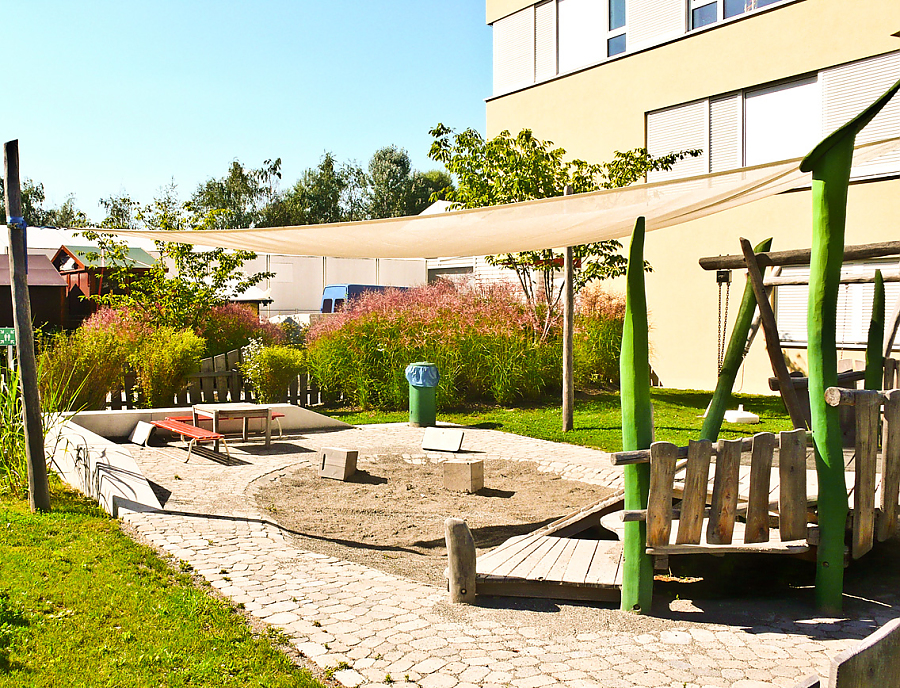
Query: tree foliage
x=33 y=198
x=200 y=279
x=509 y=169
x=241 y=197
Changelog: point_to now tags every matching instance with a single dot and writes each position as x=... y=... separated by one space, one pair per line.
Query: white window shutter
x=849 y=89
x=679 y=128
x=725 y=133
x=514 y=51
x=582 y=33
x=545 y=41
x=651 y=22
x=854 y=306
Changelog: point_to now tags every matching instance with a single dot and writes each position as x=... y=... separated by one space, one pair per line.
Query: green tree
x=199 y=280
x=507 y=169
x=241 y=196
x=33 y=198
x=329 y=192
x=396 y=190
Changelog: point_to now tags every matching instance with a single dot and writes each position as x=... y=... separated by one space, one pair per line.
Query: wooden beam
x=568 y=364
x=38 y=487
x=892 y=276
x=773 y=342
x=801 y=256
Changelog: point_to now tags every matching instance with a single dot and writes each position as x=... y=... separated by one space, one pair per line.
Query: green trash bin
x=423 y=381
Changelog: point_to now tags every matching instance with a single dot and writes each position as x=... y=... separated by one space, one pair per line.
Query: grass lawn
x=598 y=419
x=81 y=604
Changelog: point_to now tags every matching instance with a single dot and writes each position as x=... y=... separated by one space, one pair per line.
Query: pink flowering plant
x=480 y=337
x=232 y=326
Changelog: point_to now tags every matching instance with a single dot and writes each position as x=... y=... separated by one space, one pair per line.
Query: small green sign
x=7 y=336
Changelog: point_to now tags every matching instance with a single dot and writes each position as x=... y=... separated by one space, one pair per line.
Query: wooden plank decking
x=549 y=563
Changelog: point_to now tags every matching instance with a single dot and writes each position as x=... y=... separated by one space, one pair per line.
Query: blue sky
x=111 y=96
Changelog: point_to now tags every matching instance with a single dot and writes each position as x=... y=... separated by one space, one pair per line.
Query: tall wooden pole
x=568 y=381
x=773 y=345
x=38 y=488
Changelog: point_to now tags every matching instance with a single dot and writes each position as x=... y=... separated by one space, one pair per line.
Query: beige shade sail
x=529 y=225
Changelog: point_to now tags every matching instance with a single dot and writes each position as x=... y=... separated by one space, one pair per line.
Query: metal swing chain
x=723 y=324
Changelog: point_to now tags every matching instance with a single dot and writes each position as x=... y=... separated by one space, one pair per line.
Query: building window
x=782 y=122
x=778 y=122
x=854 y=308
x=703 y=12
x=615 y=44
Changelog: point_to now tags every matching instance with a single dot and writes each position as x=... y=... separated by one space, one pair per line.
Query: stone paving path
x=377 y=629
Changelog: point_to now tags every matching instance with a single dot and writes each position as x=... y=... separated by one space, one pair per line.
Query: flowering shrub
x=232 y=326
x=271 y=370
x=85 y=365
x=163 y=360
x=598 y=337
x=480 y=338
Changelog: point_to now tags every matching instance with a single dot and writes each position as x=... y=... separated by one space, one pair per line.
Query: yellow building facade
x=744 y=81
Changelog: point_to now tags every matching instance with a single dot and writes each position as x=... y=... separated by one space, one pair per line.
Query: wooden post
x=734 y=358
x=568 y=381
x=773 y=345
x=461 y=555
x=38 y=488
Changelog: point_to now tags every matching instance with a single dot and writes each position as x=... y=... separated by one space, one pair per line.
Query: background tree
x=200 y=279
x=241 y=196
x=33 y=198
x=507 y=169
x=396 y=190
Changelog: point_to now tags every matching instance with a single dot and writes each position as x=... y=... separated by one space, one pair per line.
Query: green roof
x=134 y=257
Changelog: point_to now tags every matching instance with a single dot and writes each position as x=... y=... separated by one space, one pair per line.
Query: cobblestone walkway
x=378 y=629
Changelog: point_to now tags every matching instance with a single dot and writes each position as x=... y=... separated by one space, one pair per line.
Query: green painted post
x=875 y=342
x=637 y=427
x=734 y=356
x=830 y=162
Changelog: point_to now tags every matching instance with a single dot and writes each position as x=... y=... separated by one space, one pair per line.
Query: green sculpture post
x=637 y=428
x=734 y=356
x=875 y=341
x=830 y=162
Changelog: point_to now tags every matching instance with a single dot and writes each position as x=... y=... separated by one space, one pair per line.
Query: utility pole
x=38 y=488
x=568 y=381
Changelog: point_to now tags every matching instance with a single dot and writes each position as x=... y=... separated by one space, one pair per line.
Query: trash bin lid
x=422 y=374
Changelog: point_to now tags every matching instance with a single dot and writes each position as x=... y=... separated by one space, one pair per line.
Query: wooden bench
x=190 y=419
x=716 y=529
x=190 y=431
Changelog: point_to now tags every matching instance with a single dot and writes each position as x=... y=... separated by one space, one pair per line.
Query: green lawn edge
x=677 y=418
x=82 y=604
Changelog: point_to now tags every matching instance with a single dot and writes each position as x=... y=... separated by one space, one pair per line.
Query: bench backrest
x=723 y=511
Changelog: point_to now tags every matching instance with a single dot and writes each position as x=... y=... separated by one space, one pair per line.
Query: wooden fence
x=219 y=380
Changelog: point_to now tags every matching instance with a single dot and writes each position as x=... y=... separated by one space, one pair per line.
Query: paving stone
x=339 y=611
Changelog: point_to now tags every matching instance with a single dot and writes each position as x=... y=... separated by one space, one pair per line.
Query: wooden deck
x=553 y=563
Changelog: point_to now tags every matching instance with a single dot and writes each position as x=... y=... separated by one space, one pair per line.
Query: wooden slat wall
x=725 y=493
x=659 y=504
x=890 y=466
x=868 y=405
x=696 y=482
x=758 y=500
x=792 y=488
